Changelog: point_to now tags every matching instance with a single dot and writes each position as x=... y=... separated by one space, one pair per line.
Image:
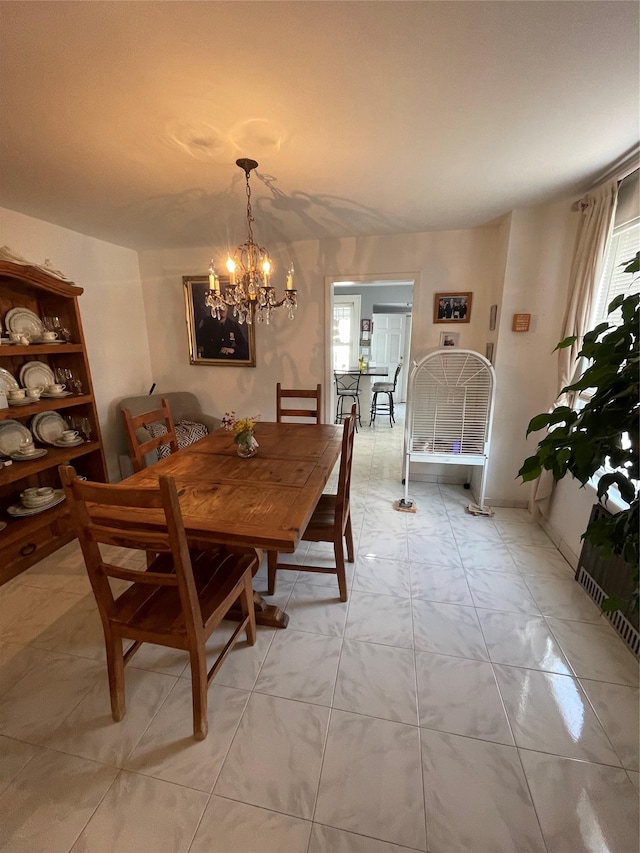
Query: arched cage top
x=450 y=404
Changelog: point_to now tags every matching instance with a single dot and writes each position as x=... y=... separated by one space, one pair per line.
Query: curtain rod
x=622 y=167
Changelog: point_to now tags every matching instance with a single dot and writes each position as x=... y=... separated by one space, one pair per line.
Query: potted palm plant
x=603 y=436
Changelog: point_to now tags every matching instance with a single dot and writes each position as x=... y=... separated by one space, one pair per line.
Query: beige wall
x=134 y=321
x=111 y=308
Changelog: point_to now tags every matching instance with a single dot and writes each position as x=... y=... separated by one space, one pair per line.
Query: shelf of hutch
x=26 y=540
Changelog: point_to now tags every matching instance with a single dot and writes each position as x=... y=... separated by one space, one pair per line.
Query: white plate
x=23 y=320
x=42 y=342
x=26 y=402
x=60 y=443
x=61 y=394
x=12 y=433
x=3 y=524
x=36 y=374
x=25 y=457
x=20 y=510
x=48 y=426
x=8 y=380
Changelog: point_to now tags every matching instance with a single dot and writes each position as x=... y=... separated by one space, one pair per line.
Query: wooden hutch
x=25 y=541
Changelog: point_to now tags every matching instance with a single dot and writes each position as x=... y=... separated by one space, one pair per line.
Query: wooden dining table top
x=265 y=501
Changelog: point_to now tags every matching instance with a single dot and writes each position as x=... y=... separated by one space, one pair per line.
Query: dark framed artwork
x=452 y=307
x=223 y=342
x=489 y=352
x=493 y=314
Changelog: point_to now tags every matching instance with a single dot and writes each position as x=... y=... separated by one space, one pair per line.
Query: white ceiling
x=123 y=120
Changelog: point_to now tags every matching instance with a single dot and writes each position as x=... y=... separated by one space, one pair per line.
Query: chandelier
x=250 y=292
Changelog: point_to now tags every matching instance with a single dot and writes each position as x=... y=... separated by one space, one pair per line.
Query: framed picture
x=212 y=341
x=452 y=307
x=449 y=339
x=489 y=353
x=365 y=325
x=493 y=314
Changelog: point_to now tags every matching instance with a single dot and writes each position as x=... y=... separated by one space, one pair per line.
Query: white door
x=388 y=345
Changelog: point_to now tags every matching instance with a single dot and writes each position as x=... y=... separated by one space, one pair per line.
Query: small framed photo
x=452 y=307
x=489 y=352
x=493 y=315
x=223 y=342
x=449 y=339
x=365 y=325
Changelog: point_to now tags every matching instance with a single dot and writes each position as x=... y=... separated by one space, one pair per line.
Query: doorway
x=375 y=313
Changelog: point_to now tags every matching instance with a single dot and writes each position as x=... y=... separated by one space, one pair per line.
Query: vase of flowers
x=243 y=429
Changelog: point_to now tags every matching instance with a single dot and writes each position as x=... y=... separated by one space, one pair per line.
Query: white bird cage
x=449 y=411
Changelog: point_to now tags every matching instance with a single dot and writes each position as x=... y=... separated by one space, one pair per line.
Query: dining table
x=265 y=501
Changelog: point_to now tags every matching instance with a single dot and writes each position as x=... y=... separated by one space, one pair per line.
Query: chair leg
x=115 y=672
x=199 y=688
x=247 y=608
x=348 y=535
x=272 y=568
x=372 y=412
x=391 y=420
x=338 y=550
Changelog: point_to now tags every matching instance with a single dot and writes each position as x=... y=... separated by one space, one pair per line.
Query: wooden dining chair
x=331 y=520
x=139 y=440
x=314 y=411
x=181 y=597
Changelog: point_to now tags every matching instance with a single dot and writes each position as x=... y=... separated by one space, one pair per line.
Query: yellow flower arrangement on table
x=242 y=429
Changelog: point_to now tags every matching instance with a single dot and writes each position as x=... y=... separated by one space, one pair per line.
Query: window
x=346 y=326
x=624 y=244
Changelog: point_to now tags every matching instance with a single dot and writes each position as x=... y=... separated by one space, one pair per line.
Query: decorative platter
x=12 y=434
x=8 y=380
x=20 y=510
x=36 y=374
x=48 y=426
x=21 y=320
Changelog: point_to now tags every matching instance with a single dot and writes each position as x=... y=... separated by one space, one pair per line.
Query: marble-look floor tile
x=317 y=609
x=533 y=560
x=275 y=758
x=582 y=807
x=461 y=696
x=550 y=713
x=26 y=611
x=377 y=680
x=510 y=513
x=78 y=631
x=562 y=599
x=143 y=814
x=14 y=755
x=231 y=827
x=618 y=709
x=49 y=802
x=385 y=577
x=448 y=629
x=16 y=661
x=425 y=547
x=90 y=731
x=498 y=591
x=428 y=518
x=522 y=640
x=300 y=666
x=382 y=619
x=243 y=664
x=370 y=775
x=161 y=659
x=476 y=797
x=168 y=750
x=58 y=683
x=383 y=544
x=435 y=583
x=595 y=651
x=326 y=839
x=487 y=556
x=515 y=533
x=468 y=528
x=324 y=560
x=634 y=776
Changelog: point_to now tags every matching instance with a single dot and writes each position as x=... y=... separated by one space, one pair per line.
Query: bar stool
x=385 y=408
x=347 y=388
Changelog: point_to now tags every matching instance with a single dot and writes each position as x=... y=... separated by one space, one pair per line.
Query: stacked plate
x=21 y=321
x=48 y=427
x=20 y=510
x=8 y=380
x=12 y=434
x=36 y=374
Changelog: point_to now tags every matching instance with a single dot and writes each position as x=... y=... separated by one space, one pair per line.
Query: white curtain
x=597 y=210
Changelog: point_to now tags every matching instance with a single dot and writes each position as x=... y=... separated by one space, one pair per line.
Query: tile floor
x=468 y=697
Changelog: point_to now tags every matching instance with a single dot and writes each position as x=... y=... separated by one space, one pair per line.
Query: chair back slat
x=285 y=411
x=139 y=448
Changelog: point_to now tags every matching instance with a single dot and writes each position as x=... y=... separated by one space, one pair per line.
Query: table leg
x=266 y=614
